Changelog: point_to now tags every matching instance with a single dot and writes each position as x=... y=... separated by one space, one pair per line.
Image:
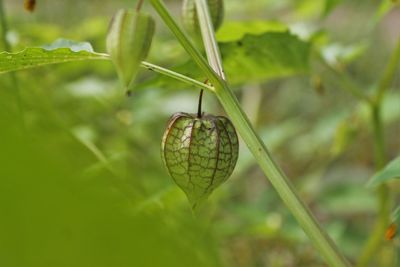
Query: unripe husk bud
x=128 y=42
x=190 y=19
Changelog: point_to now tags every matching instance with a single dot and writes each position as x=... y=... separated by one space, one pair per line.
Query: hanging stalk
x=199 y=112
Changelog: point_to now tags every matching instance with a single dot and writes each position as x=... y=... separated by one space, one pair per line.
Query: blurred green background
x=81 y=178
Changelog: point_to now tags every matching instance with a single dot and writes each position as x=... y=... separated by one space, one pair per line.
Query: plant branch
x=378 y=135
x=139 y=5
x=176 y=76
x=159 y=6
x=199 y=112
x=375 y=238
x=389 y=73
x=208 y=36
x=278 y=179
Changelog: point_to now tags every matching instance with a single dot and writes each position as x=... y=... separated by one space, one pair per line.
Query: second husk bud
x=128 y=42
x=190 y=19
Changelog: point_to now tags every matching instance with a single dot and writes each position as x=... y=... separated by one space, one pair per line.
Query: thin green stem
x=384 y=202
x=377 y=234
x=176 y=76
x=208 y=37
x=379 y=145
x=199 y=112
x=184 y=40
x=278 y=179
x=281 y=183
x=389 y=73
x=139 y=5
x=375 y=239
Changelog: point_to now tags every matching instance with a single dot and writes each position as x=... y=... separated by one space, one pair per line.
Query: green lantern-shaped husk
x=128 y=42
x=200 y=153
x=190 y=19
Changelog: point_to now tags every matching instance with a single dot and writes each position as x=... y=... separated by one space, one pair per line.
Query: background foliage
x=82 y=182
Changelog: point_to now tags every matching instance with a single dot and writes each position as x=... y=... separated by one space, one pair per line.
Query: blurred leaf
x=330 y=5
x=391 y=171
x=74 y=46
x=344 y=135
x=336 y=54
x=54 y=213
x=308 y=8
x=235 y=30
x=342 y=193
x=391 y=107
x=58 y=52
x=319 y=38
x=383 y=9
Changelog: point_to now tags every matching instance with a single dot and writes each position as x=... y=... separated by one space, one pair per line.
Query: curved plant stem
x=176 y=76
x=208 y=37
x=376 y=237
x=139 y=5
x=199 y=112
x=377 y=234
x=230 y=103
x=389 y=73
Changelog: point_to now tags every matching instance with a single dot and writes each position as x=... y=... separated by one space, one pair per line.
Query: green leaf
x=235 y=30
x=267 y=56
x=59 y=52
x=336 y=53
x=391 y=171
x=253 y=58
x=345 y=133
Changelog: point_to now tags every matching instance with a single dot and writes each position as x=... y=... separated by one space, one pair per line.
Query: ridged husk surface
x=199 y=153
x=128 y=42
